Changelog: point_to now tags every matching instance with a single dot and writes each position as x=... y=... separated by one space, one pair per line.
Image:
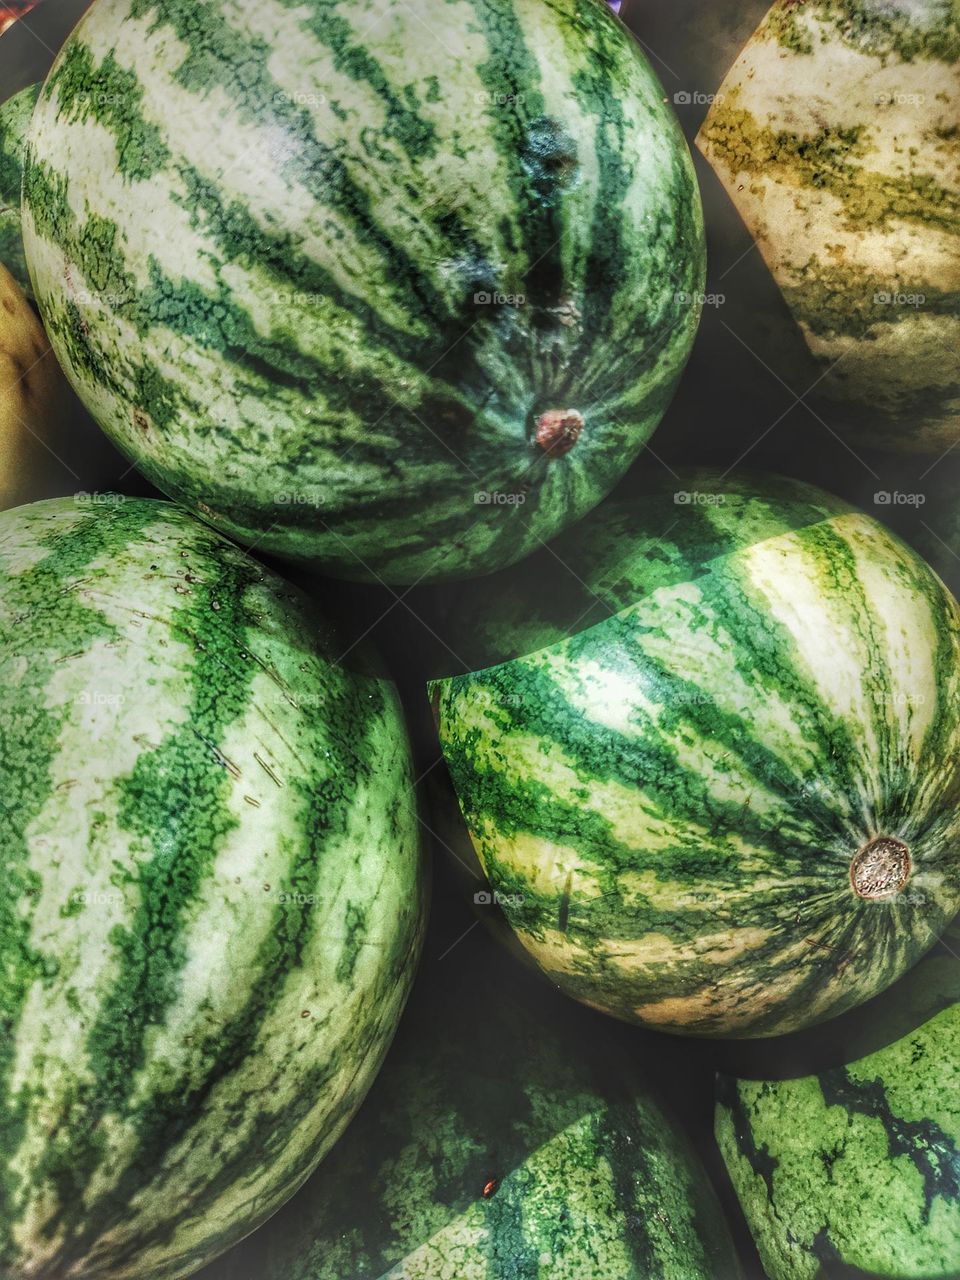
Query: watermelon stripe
x=244 y=812
x=203 y=303
x=670 y=800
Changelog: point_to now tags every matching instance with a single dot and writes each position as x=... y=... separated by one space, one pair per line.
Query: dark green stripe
x=29 y=734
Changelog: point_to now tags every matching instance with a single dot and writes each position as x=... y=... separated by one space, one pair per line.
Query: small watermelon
x=708 y=750
x=856 y=1171
x=397 y=289
x=213 y=892
x=837 y=136
x=500 y=1142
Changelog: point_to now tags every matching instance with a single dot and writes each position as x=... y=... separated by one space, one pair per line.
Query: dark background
x=741 y=404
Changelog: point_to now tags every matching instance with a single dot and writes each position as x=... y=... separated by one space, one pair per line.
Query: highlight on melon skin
x=213 y=889
x=333 y=269
x=837 y=137
x=707 y=749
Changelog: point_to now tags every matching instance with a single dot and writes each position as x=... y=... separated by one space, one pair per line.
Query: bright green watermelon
x=837 y=136
x=213 y=899
x=396 y=289
x=856 y=1171
x=15 y=116
x=714 y=771
x=498 y=1143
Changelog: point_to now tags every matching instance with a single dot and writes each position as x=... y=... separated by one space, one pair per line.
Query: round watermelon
x=708 y=751
x=395 y=289
x=499 y=1143
x=837 y=136
x=855 y=1171
x=213 y=894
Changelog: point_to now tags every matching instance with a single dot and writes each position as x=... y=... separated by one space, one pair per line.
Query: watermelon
x=15 y=116
x=837 y=136
x=410 y=307
x=47 y=443
x=498 y=1143
x=213 y=890
x=855 y=1171
x=713 y=774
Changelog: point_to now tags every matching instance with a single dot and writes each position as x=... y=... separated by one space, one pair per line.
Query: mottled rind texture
x=837 y=136
x=585 y=1177
x=212 y=894
x=856 y=1171
x=15 y=116
x=669 y=800
x=321 y=268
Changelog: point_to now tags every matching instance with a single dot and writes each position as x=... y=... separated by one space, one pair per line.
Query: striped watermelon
x=494 y=1146
x=395 y=289
x=15 y=116
x=856 y=1171
x=719 y=791
x=213 y=900
x=837 y=136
